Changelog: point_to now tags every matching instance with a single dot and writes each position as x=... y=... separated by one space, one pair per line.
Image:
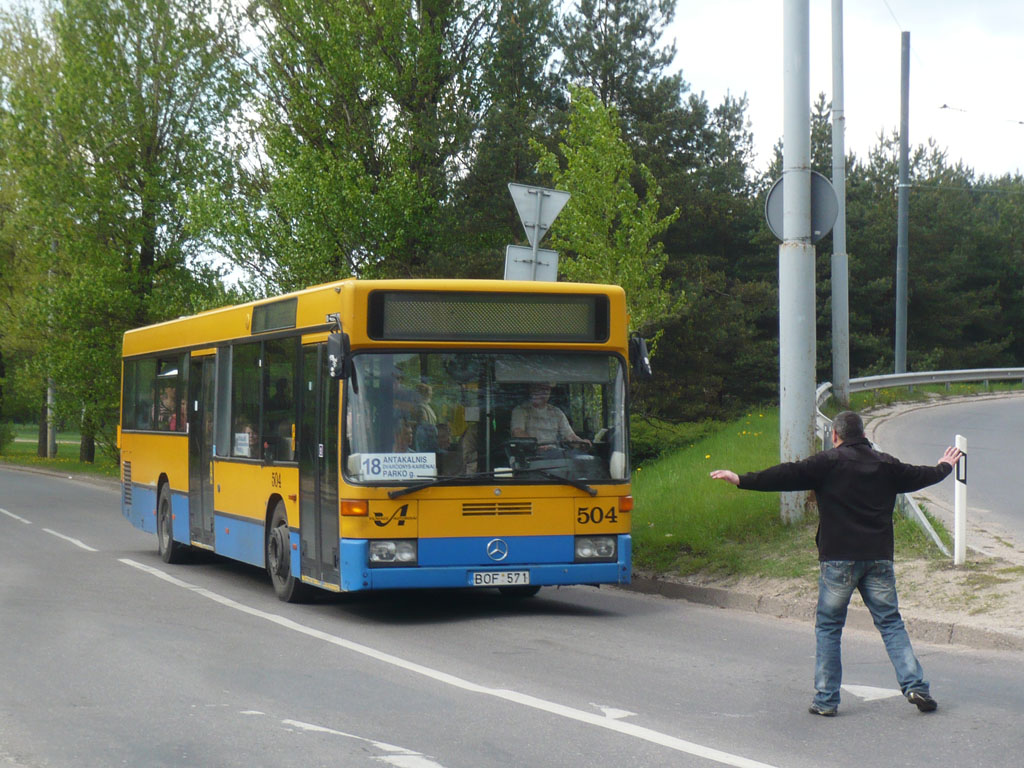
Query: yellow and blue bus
x=388 y=434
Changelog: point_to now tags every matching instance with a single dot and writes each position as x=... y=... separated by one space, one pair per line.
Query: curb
x=924 y=630
x=109 y=483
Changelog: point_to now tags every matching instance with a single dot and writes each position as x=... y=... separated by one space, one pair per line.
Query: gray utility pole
x=796 y=256
x=903 y=210
x=840 y=266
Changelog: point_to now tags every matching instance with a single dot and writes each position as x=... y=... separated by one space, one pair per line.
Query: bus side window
x=279 y=418
x=142 y=401
x=245 y=401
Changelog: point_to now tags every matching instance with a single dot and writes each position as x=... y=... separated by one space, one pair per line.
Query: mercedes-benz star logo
x=497 y=549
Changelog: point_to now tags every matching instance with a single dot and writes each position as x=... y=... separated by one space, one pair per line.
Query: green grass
x=22 y=452
x=684 y=522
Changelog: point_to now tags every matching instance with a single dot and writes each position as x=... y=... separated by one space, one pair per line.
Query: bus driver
x=539 y=419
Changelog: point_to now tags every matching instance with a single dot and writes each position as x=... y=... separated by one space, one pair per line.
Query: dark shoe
x=922 y=701
x=815 y=709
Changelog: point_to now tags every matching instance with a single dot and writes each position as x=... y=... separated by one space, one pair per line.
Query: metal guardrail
x=823 y=424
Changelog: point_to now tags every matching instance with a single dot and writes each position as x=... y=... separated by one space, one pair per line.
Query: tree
x=126 y=123
x=520 y=98
x=29 y=74
x=607 y=233
x=367 y=118
x=610 y=48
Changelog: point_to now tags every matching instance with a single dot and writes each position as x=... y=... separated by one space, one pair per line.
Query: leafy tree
x=610 y=48
x=28 y=76
x=607 y=233
x=123 y=126
x=521 y=97
x=367 y=118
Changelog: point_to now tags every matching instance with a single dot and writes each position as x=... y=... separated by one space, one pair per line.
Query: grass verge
x=22 y=452
x=685 y=522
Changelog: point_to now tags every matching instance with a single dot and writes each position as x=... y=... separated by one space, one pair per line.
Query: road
x=995 y=444
x=110 y=657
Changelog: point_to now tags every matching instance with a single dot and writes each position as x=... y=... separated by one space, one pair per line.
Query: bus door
x=200 y=448
x=318 y=468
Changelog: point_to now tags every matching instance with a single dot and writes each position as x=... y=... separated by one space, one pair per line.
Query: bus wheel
x=279 y=560
x=519 y=591
x=170 y=550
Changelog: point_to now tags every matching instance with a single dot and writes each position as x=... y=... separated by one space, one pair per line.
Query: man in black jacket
x=856 y=488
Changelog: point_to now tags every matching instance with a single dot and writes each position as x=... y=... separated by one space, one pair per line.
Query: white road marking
x=612 y=712
x=867 y=693
x=526 y=700
x=402 y=757
x=15 y=517
x=76 y=542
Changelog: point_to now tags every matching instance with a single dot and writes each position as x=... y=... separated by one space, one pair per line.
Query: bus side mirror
x=337 y=354
x=639 y=358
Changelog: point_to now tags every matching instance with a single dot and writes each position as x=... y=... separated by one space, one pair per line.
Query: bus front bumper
x=357 y=575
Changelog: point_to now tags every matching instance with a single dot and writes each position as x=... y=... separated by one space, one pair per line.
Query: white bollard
x=960 y=505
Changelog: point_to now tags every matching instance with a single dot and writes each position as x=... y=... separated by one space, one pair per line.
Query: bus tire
x=279 y=559
x=524 y=591
x=171 y=551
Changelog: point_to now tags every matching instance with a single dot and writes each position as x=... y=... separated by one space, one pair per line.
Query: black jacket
x=856 y=487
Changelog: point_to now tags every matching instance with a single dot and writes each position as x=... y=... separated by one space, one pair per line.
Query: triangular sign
x=537 y=220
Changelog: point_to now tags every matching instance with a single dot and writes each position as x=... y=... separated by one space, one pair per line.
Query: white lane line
x=76 y=542
x=571 y=713
x=15 y=517
x=399 y=756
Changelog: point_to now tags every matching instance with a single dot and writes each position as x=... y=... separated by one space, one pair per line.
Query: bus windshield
x=525 y=416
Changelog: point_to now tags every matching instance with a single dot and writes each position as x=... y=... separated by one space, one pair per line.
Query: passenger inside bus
x=403 y=436
x=246 y=441
x=167 y=416
x=425 y=434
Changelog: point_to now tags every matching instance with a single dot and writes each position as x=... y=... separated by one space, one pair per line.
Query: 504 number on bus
x=586 y=515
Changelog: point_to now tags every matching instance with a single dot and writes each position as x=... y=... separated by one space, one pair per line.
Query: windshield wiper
x=434 y=482
x=567 y=480
x=443 y=480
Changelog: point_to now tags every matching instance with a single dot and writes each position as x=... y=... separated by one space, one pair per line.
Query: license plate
x=499 y=578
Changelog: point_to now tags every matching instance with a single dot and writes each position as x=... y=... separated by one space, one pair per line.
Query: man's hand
x=727 y=475
x=951 y=456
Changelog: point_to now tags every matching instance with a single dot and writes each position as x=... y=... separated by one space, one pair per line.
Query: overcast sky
x=967 y=55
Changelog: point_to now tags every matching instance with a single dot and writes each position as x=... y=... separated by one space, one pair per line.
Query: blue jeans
x=876 y=582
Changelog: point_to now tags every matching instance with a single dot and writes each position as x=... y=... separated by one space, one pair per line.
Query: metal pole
x=903 y=210
x=960 y=506
x=536 y=232
x=51 y=425
x=51 y=389
x=796 y=257
x=840 y=266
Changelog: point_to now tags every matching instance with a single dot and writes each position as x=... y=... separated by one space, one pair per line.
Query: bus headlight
x=393 y=552
x=592 y=549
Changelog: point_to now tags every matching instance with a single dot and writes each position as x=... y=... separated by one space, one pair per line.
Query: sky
x=966 y=55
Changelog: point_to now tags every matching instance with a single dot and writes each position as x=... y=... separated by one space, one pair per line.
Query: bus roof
x=317 y=308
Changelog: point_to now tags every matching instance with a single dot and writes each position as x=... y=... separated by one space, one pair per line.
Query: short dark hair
x=848 y=425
